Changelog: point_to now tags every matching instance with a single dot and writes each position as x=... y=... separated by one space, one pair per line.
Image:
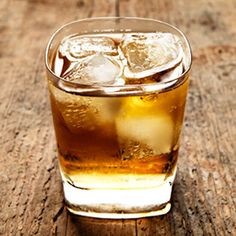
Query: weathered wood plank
x=31 y=200
x=28 y=167
x=204 y=193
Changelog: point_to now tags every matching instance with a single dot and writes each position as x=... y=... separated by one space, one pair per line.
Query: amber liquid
x=118 y=142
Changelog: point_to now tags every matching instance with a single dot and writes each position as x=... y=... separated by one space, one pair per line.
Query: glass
x=117 y=145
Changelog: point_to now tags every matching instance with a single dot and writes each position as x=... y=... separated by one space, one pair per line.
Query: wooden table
x=31 y=200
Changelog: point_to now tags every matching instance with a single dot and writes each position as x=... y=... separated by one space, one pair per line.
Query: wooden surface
x=204 y=196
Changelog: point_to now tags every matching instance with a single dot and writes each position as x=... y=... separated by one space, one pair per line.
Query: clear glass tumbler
x=117 y=144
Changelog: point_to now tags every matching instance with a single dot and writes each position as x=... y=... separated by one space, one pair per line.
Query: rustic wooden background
x=204 y=196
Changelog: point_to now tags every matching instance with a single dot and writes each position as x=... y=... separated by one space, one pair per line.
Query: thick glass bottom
x=122 y=215
x=118 y=203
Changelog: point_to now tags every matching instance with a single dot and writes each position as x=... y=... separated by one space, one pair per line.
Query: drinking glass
x=117 y=144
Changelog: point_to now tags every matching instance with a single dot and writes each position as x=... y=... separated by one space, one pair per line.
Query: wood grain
x=204 y=196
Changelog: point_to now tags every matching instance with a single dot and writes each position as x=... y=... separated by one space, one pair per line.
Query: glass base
x=118 y=204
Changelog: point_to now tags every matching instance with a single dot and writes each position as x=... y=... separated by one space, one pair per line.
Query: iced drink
x=118 y=108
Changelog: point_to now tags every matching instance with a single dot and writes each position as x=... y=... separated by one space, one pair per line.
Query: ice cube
x=85 y=112
x=97 y=69
x=148 y=54
x=76 y=111
x=77 y=47
x=155 y=132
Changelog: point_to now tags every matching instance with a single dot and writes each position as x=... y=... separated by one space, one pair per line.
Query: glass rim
x=108 y=90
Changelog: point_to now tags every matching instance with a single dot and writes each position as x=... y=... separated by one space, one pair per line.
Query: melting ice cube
x=155 y=132
x=97 y=69
x=148 y=54
x=78 y=47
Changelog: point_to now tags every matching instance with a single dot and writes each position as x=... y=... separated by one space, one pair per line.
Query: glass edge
x=179 y=79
